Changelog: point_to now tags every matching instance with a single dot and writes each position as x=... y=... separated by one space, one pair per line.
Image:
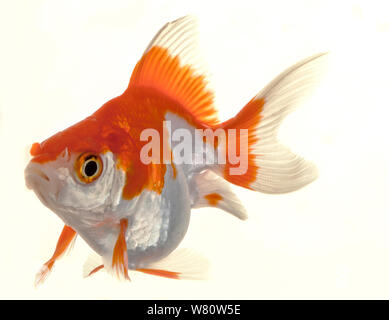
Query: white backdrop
x=60 y=61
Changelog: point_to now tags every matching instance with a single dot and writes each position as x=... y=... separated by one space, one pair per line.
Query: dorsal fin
x=171 y=66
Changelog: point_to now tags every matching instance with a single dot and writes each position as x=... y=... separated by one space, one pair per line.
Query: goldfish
x=113 y=181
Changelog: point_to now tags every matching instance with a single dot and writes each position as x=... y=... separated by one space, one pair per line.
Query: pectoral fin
x=64 y=242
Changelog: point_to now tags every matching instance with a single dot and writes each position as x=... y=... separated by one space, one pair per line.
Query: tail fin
x=271 y=167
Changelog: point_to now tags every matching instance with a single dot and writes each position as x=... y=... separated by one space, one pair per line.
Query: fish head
x=75 y=172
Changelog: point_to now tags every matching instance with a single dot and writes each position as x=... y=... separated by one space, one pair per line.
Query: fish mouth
x=33 y=174
x=40 y=182
x=31 y=177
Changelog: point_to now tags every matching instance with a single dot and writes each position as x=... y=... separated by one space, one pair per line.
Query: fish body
x=133 y=209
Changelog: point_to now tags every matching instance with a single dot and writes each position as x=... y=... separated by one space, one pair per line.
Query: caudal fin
x=271 y=167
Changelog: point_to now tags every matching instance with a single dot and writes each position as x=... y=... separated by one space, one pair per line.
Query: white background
x=61 y=60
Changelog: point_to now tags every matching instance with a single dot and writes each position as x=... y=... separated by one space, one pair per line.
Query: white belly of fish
x=160 y=223
x=157 y=223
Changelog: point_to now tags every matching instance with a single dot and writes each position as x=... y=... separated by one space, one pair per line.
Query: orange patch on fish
x=213 y=198
x=159 y=70
x=35 y=148
x=248 y=118
x=117 y=125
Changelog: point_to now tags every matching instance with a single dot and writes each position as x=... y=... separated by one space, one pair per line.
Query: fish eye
x=88 y=167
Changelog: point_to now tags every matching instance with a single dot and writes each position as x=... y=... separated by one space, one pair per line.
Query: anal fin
x=161 y=273
x=210 y=190
x=183 y=263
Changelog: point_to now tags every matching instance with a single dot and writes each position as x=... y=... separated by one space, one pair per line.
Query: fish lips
x=39 y=179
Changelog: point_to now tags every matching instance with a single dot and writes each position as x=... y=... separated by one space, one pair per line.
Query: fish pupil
x=90 y=168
